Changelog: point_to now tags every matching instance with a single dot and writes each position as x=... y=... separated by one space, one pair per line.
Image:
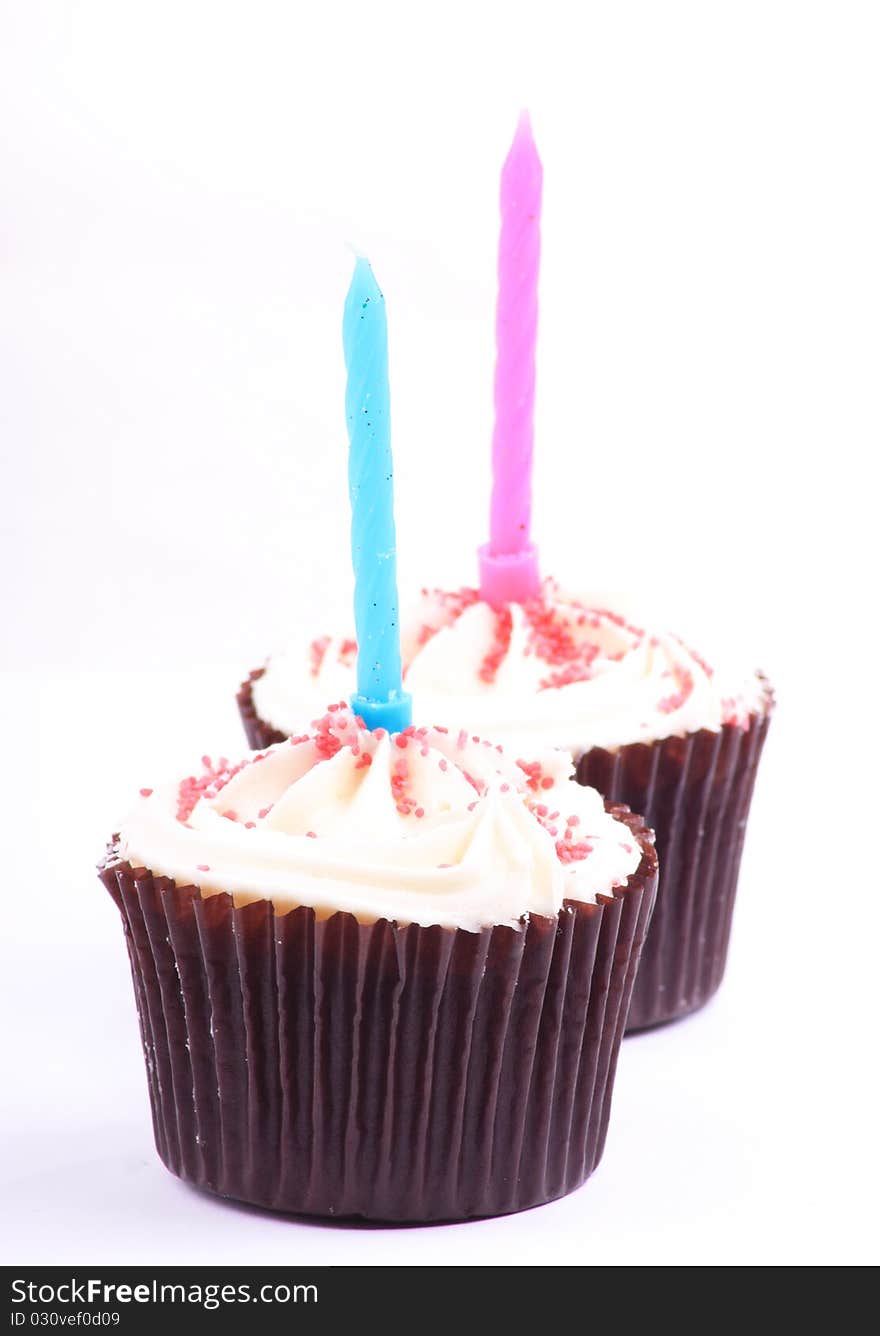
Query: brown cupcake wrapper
x=259 y=733
x=398 y=1073
x=695 y=793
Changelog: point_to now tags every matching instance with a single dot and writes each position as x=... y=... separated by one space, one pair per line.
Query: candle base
x=508 y=577
x=393 y=715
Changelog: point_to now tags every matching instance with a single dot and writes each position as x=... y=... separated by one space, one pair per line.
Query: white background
x=180 y=183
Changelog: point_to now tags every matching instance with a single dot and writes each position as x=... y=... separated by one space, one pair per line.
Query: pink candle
x=509 y=561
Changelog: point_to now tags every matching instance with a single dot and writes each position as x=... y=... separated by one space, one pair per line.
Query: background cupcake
x=382 y=975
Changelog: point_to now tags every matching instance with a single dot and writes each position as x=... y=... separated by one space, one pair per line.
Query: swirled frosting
x=555 y=672
x=426 y=826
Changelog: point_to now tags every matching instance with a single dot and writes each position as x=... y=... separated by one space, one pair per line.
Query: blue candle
x=380 y=699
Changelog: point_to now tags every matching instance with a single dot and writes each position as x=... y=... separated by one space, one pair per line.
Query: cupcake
x=382 y=975
x=646 y=719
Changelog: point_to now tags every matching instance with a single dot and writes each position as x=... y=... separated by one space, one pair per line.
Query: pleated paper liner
x=259 y=733
x=694 y=792
x=397 y=1073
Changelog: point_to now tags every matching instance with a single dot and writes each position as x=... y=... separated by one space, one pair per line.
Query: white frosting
x=431 y=827
x=555 y=673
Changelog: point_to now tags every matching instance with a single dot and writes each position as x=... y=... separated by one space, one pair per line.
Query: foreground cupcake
x=647 y=720
x=382 y=976
x=381 y=970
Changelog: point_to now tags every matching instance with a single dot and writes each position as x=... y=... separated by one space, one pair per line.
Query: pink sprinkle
x=327 y=742
x=546 y=782
x=420 y=811
x=572 y=672
x=264 y=811
x=317 y=650
x=379 y=734
x=311 y=835
x=444 y=764
x=145 y=793
x=208 y=785
x=250 y=825
x=697 y=658
x=462 y=739
x=532 y=769
x=572 y=853
x=505 y=788
x=501 y=636
x=401 y=740
x=471 y=806
x=230 y=815
x=684 y=681
x=203 y=867
x=573 y=821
